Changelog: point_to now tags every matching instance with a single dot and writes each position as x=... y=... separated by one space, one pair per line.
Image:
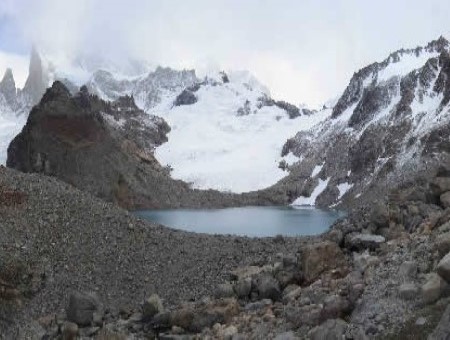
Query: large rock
x=445 y=199
x=243 y=287
x=152 y=306
x=440 y=185
x=433 y=288
x=81 y=308
x=268 y=287
x=408 y=291
x=185 y=98
x=443 y=268
x=333 y=329
x=320 y=257
x=359 y=242
x=442 y=243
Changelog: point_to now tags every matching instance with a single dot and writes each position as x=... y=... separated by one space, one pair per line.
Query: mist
x=304 y=51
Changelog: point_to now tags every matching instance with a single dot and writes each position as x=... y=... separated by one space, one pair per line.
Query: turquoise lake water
x=247 y=221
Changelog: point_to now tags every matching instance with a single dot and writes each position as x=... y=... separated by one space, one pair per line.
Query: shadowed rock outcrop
x=107 y=149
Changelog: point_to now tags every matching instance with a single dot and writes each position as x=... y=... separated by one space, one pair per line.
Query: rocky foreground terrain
x=75 y=267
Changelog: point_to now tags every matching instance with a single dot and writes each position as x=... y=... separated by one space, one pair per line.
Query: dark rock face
x=106 y=149
x=36 y=82
x=8 y=88
x=291 y=110
x=373 y=100
x=185 y=98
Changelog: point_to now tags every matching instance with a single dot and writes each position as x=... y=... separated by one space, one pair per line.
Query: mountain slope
x=105 y=148
x=389 y=126
x=229 y=136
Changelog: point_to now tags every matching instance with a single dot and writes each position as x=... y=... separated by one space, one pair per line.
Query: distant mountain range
x=389 y=126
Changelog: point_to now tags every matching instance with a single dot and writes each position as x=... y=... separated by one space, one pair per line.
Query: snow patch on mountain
x=213 y=145
x=405 y=64
x=10 y=126
x=311 y=200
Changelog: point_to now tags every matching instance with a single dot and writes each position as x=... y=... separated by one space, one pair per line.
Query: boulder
x=81 y=308
x=440 y=185
x=330 y=330
x=442 y=243
x=185 y=98
x=268 y=287
x=320 y=257
x=445 y=199
x=408 y=291
x=433 y=288
x=443 y=267
x=292 y=292
x=242 y=288
x=152 y=306
x=359 y=241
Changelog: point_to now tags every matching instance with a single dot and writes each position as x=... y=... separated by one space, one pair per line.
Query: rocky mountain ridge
x=388 y=125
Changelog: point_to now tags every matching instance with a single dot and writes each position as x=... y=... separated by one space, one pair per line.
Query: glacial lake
x=247 y=221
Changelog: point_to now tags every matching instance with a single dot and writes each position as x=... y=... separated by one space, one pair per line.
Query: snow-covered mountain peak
x=397 y=65
x=391 y=118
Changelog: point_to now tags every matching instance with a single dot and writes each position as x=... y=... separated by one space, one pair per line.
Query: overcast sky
x=304 y=51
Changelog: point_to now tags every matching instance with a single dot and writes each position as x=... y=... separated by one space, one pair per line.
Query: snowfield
x=10 y=126
x=213 y=147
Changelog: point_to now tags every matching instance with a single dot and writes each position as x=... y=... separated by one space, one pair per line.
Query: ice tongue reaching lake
x=247 y=221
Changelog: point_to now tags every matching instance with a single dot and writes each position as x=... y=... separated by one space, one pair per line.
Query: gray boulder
x=359 y=242
x=433 y=288
x=81 y=308
x=442 y=243
x=152 y=306
x=408 y=291
x=243 y=287
x=443 y=268
x=318 y=258
x=440 y=185
x=185 y=98
x=268 y=287
x=445 y=199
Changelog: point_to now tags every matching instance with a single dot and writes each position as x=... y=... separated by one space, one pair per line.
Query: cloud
x=305 y=51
